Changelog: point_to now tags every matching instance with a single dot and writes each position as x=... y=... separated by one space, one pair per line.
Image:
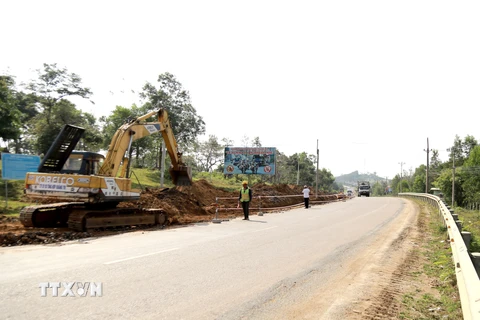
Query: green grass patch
x=221 y=181
x=443 y=302
x=149 y=178
x=12 y=208
x=471 y=223
x=11 y=196
x=142 y=177
x=11 y=189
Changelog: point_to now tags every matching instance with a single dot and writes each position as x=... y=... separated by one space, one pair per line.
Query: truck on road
x=364 y=189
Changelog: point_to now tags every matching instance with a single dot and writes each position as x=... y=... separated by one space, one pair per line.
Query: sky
x=368 y=82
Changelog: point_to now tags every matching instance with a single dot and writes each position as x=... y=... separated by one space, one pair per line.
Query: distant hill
x=351 y=179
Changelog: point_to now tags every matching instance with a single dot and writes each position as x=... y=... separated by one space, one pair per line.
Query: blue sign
x=249 y=160
x=16 y=166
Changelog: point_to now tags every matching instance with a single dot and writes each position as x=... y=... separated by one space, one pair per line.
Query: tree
x=379 y=188
x=435 y=162
x=227 y=142
x=146 y=152
x=457 y=150
x=395 y=184
x=469 y=143
x=299 y=167
x=444 y=183
x=326 y=180
x=209 y=154
x=26 y=105
x=404 y=186
x=246 y=142
x=49 y=93
x=419 y=178
x=170 y=95
x=470 y=174
x=62 y=113
x=10 y=115
x=256 y=142
x=282 y=169
x=119 y=116
x=53 y=85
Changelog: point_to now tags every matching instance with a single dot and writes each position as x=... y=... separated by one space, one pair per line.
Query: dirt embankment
x=182 y=205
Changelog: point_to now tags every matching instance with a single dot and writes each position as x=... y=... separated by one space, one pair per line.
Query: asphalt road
x=233 y=270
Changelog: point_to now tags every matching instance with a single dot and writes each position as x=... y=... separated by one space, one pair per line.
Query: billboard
x=16 y=166
x=249 y=160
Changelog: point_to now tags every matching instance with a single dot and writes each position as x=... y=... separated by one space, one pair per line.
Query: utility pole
x=401 y=172
x=426 y=177
x=316 y=175
x=298 y=169
x=162 y=164
x=453 y=175
x=453 y=180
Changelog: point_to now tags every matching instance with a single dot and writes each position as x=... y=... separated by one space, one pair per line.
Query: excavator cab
x=83 y=162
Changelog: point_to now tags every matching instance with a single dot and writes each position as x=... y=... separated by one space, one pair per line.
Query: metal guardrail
x=468 y=281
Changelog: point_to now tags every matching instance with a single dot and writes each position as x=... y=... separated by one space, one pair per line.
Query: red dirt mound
x=182 y=205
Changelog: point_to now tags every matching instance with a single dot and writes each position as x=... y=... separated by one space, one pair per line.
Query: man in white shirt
x=306 y=195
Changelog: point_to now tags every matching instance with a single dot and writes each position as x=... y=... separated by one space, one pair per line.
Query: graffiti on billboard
x=249 y=160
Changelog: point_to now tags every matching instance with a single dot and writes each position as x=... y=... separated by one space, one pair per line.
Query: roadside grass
x=443 y=301
x=11 y=208
x=227 y=183
x=11 y=193
x=142 y=178
x=471 y=223
x=148 y=178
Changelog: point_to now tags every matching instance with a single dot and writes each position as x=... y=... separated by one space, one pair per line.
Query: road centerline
x=140 y=256
x=263 y=229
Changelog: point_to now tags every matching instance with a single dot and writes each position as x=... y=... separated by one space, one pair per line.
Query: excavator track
x=83 y=220
x=47 y=215
x=79 y=218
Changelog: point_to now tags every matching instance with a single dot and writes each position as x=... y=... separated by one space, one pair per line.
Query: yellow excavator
x=85 y=188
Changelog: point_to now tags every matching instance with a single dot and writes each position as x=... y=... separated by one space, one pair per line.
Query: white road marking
x=141 y=256
x=263 y=229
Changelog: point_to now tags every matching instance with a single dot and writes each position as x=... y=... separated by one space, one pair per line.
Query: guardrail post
x=467 y=238
x=476 y=262
x=459 y=225
x=216 y=220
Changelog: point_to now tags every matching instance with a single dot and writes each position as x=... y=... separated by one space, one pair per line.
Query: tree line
x=460 y=174
x=33 y=113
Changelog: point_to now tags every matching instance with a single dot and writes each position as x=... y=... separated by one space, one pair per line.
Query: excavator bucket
x=182 y=176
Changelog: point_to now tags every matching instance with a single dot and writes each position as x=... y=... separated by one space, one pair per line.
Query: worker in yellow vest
x=244 y=199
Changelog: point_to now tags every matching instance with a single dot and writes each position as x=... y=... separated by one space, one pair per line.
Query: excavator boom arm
x=139 y=128
x=180 y=173
x=169 y=138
